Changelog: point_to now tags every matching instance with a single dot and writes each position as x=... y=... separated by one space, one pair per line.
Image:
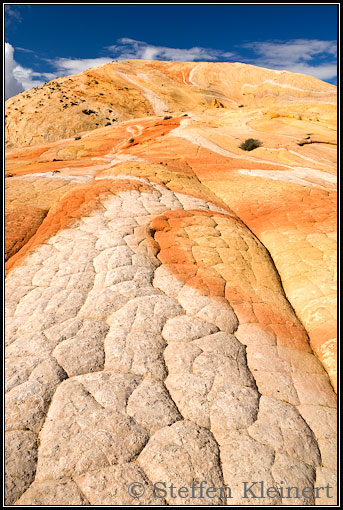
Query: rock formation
x=171 y=297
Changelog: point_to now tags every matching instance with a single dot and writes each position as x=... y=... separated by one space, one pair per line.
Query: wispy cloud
x=132 y=49
x=65 y=66
x=308 y=56
x=25 y=50
x=12 y=15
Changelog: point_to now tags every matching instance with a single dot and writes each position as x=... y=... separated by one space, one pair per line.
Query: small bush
x=167 y=117
x=131 y=140
x=250 y=144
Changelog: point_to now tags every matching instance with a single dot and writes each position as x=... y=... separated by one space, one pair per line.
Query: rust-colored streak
x=79 y=155
x=20 y=225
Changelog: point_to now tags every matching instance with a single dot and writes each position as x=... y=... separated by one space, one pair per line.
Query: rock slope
x=121 y=91
x=170 y=297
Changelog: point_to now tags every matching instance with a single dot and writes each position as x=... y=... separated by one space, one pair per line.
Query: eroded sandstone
x=170 y=318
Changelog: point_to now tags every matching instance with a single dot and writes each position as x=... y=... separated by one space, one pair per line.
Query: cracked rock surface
x=144 y=376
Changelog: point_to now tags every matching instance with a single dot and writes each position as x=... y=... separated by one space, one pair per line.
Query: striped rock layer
x=171 y=297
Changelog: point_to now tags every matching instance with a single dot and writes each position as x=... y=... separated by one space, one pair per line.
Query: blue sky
x=45 y=41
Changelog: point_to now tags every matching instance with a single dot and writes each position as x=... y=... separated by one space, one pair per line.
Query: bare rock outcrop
x=170 y=297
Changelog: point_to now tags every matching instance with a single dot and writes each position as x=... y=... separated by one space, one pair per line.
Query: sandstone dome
x=171 y=299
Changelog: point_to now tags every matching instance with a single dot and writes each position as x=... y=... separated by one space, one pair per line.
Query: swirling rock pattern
x=164 y=313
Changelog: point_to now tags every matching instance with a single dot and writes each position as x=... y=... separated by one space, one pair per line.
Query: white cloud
x=65 y=66
x=307 y=56
x=19 y=78
x=29 y=78
x=12 y=85
x=132 y=49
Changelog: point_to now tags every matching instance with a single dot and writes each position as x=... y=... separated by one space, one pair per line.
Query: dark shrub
x=167 y=117
x=250 y=144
